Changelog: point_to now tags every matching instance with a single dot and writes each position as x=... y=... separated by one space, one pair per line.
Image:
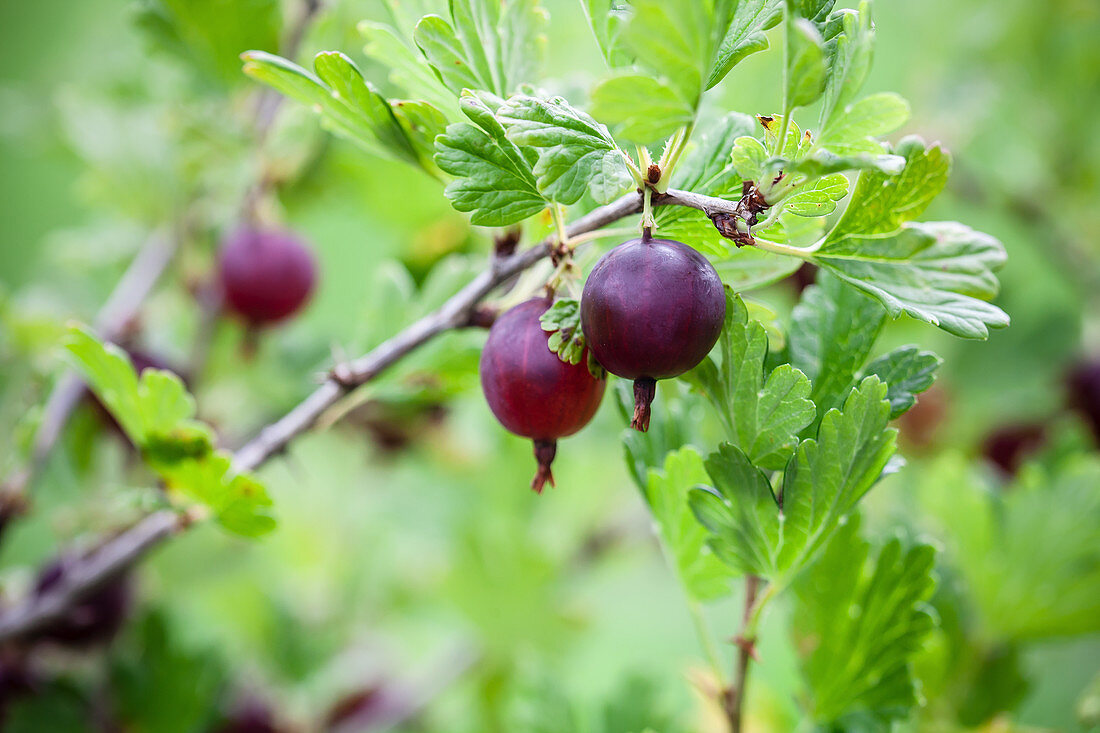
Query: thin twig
x=735 y=695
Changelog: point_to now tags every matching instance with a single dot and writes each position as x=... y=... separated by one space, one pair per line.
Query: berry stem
x=545 y=450
x=648 y=222
x=645 y=389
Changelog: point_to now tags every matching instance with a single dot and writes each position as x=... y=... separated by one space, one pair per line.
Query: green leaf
x=860 y=621
x=833 y=329
x=907 y=371
x=607 y=18
x=156 y=412
x=815 y=11
x=818 y=198
x=641 y=108
x=348 y=105
x=444 y=51
x=239 y=502
x=162 y=680
x=822 y=162
x=740 y=513
x=748 y=268
x=830 y=474
x=408 y=69
x=347 y=87
x=672 y=42
x=937 y=272
x=488 y=45
x=753 y=531
x=748 y=156
x=853 y=133
x=762 y=418
x=563 y=322
x=703 y=576
x=493 y=180
x=421 y=122
x=148 y=409
x=805 y=64
x=881 y=203
x=849 y=42
x=575 y=153
x=745 y=35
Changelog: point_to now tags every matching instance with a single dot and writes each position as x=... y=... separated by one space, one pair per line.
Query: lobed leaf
x=833 y=328
x=563 y=322
x=937 y=272
x=641 y=108
x=805 y=64
x=666 y=491
x=907 y=371
x=487 y=45
x=849 y=37
x=156 y=412
x=762 y=417
x=744 y=36
x=860 y=620
x=493 y=179
x=575 y=153
x=740 y=513
x=351 y=107
x=881 y=203
x=853 y=133
x=830 y=474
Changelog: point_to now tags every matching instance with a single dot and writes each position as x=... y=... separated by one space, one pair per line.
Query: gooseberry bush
x=713 y=205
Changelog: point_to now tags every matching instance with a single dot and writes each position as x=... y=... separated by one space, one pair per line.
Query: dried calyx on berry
x=530 y=390
x=651 y=309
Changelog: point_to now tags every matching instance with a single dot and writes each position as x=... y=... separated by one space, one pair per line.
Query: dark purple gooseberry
x=1008 y=447
x=651 y=309
x=531 y=391
x=266 y=274
x=1083 y=386
x=95 y=618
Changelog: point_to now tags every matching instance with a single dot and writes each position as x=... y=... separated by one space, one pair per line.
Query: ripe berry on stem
x=266 y=274
x=651 y=309
x=532 y=392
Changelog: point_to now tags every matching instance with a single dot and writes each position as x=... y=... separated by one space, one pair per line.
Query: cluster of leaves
x=563 y=322
x=157 y=414
x=517 y=152
x=807 y=437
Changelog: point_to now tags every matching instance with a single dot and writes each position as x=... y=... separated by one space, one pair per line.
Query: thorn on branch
x=343 y=376
x=482 y=316
x=505 y=243
x=746 y=645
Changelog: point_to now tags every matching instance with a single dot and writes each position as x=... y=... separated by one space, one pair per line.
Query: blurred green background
x=411 y=559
